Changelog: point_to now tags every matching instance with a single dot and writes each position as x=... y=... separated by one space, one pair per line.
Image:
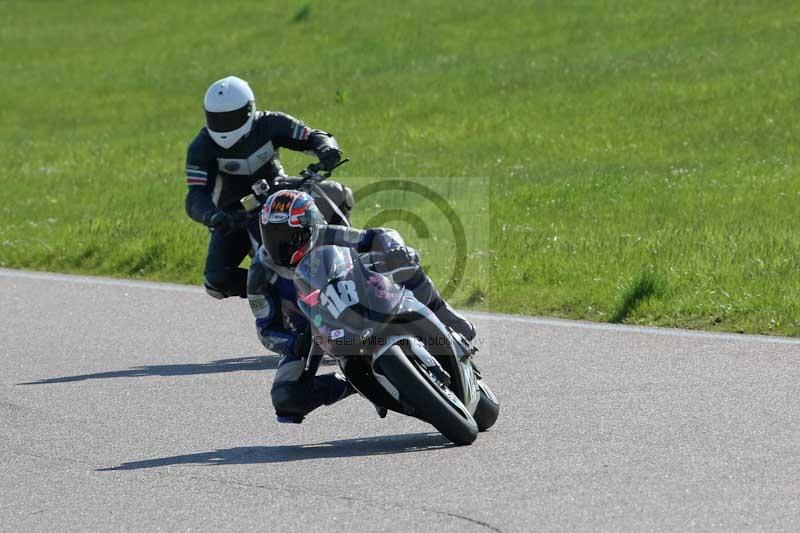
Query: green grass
x=647 y=285
x=621 y=141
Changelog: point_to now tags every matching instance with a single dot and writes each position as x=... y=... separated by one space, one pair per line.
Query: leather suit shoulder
x=260 y=274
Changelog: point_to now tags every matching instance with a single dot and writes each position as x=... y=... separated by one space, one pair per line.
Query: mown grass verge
x=616 y=137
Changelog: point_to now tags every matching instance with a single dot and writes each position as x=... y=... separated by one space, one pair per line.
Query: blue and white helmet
x=230 y=107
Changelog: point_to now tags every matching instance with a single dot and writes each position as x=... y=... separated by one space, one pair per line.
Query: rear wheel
x=488 y=408
x=427 y=397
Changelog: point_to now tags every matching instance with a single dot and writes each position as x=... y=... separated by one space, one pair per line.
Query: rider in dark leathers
x=282 y=328
x=238 y=147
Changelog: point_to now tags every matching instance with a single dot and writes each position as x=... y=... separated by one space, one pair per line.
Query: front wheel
x=429 y=399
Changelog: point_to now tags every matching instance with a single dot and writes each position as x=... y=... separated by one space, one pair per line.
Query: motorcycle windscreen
x=341 y=297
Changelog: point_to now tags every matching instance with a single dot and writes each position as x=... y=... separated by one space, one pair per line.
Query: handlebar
x=312 y=171
x=309 y=177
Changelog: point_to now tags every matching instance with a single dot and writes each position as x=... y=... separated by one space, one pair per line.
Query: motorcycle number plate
x=338 y=297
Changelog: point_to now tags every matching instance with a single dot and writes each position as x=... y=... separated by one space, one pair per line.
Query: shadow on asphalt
x=385 y=445
x=265 y=362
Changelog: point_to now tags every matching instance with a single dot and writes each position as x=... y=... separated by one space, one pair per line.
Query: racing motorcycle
x=391 y=347
x=333 y=199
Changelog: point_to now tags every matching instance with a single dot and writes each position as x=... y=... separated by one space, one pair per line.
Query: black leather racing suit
x=218 y=178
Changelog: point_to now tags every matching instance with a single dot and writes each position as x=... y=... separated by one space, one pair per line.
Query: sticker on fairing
x=259 y=305
x=337 y=334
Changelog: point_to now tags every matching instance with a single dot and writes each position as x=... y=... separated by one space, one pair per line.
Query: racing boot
x=293 y=401
x=451 y=318
x=341 y=392
x=290 y=419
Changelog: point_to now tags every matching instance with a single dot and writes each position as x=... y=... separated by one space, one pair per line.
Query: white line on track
x=91 y=280
x=551 y=322
x=599 y=326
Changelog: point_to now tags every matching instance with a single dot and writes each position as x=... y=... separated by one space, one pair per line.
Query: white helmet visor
x=225 y=121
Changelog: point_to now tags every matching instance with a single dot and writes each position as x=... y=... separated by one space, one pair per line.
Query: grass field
x=638 y=158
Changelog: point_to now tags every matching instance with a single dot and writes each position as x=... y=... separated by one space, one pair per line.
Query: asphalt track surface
x=145 y=407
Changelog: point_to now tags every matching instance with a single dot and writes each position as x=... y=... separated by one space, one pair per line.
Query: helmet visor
x=281 y=242
x=228 y=120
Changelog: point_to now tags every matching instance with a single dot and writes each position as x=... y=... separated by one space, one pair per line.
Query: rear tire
x=428 y=398
x=488 y=408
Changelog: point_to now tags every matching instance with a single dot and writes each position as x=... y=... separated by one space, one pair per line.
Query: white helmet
x=230 y=107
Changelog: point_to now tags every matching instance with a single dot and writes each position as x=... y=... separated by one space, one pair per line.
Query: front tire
x=430 y=400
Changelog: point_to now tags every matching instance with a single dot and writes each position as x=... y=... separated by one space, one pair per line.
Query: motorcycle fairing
x=415 y=317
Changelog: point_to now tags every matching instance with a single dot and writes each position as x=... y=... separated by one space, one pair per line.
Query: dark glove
x=222 y=222
x=330 y=158
x=400 y=257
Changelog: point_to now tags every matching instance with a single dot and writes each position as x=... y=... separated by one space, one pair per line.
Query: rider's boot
x=452 y=318
x=340 y=392
x=290 y=419
x=294 y=400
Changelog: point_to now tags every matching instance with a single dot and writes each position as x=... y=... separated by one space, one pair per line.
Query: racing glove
x=222 y=222
x=402 y=256
x=330 y=158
